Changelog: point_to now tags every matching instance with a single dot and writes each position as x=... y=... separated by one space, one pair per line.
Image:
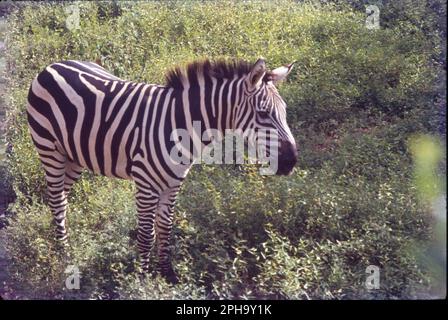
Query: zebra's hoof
x=170 y=276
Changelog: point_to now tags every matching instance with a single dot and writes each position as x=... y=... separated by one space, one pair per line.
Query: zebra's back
x=92 y=116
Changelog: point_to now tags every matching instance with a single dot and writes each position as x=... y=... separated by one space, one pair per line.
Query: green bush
x=354 y=99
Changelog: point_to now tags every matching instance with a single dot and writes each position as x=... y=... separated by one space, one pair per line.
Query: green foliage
x=354 y=99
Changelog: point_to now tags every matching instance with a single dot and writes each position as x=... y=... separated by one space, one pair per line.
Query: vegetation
x=355 y=99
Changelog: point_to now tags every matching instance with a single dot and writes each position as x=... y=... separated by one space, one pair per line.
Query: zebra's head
x=266 y=112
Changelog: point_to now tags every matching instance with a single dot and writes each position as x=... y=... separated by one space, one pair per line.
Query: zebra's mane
x=219 y=69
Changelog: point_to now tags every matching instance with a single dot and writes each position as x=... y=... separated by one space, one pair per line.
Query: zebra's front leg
x=164 y=224
x=146 y=201
x=72 y=173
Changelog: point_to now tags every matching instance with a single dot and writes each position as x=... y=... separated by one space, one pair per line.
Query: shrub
x=354 y=99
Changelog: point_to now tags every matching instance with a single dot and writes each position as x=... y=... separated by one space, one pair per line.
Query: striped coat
x=81 y=116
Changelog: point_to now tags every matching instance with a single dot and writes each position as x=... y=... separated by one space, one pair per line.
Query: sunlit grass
x=353 y=202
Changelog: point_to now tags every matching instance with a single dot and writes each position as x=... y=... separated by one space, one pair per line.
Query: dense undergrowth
x=354 y=100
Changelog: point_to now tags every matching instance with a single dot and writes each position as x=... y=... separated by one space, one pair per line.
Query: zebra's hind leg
x=54 y=164
x=146 y=201
x=164 y=224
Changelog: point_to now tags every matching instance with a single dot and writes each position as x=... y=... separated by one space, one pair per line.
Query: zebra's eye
x=263 y=113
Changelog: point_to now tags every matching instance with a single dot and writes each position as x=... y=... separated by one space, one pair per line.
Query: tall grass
x=354 y=99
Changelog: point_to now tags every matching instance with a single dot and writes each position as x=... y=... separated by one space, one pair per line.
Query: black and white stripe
x=81 y=116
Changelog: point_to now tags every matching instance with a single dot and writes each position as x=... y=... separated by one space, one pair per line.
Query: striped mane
x=219 y=69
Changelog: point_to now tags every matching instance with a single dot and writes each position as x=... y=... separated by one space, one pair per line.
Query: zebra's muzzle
x=287 y=158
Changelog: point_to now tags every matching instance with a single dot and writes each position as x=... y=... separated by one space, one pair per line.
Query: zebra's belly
x=102 y=158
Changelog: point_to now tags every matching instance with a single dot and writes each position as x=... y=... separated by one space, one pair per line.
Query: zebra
x=80 y=116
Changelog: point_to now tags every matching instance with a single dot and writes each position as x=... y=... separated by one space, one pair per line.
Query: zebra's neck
x=212 y=102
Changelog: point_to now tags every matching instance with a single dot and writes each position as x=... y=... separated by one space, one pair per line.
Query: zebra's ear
x=280 y=73
x=257 y=73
